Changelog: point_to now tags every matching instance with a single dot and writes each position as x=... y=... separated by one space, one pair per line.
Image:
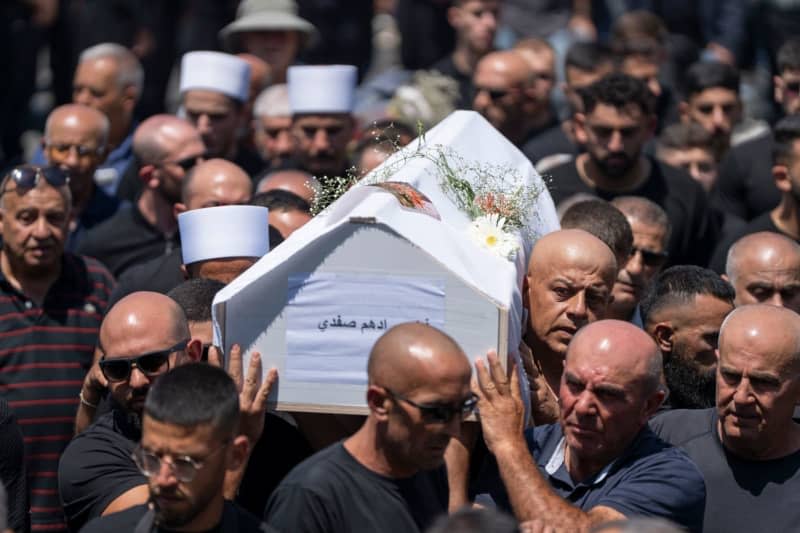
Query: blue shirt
x=651 y=478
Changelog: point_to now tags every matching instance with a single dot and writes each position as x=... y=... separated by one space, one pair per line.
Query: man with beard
x=785 y=217
x=321 y=98
x=600 y=462
x=167 y=147
x=214 y=92
x=389 y=476
x=748 y=446
x=683 y=311
x=51 y=304
x=712 y=101
x=142 y=337
x=75 y=138
x=616 y=121
x=191 y=415
x=651 y=228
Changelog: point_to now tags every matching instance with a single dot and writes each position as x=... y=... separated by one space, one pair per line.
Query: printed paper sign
x=332 y=320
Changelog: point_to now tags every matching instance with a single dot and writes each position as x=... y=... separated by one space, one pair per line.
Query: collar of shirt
x=556 y=467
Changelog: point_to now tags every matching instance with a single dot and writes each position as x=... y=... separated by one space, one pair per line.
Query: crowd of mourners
x=661 y=337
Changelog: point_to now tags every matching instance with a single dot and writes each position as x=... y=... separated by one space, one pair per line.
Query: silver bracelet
x=86 y=402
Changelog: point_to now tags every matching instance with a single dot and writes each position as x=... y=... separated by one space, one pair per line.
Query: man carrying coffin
x=389 y=476
x=321 y=99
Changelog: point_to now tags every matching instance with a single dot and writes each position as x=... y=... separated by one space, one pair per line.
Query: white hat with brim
x=224 y=232
x=216 y=71
x=266 y=19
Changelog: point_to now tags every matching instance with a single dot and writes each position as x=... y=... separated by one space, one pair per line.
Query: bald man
x=389 y=475
x=502 y=80
x=167 y=148
x=748 y=446
x=568 y=285
x=600 y=462
x=764 y=267
x=141 y=337
x=296 y=182
x=75 y=139
x=211 y=183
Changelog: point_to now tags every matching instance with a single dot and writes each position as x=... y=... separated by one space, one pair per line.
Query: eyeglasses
x=793 y=86
x=28 y=176
x=439 y=413
x=63 y=149
x=494 y=94
x=649 y=257
x=150 y=364
x=184 y=468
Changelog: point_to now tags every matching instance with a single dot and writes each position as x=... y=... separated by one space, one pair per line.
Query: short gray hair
x=131 y=72
x=273 y=102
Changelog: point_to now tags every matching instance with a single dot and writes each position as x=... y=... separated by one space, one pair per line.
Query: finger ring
x=489 y=386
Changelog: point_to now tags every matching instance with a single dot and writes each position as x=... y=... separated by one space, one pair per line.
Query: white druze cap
x=322 y=88
x=215 y=71
x=224 y=231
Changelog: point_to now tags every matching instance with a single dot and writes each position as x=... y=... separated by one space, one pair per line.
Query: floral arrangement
x=494 y=196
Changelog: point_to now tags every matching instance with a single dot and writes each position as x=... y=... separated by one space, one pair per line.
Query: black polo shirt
x=651 y=478
x=746 y=187
x=126 y=239
x=96 y=468
x=45 y=354
x=743 y=495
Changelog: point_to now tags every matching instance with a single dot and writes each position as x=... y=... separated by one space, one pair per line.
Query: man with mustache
x=617 y=120
x=143 y=336
x=600 y=462
x=683 y=311
x=650 y=226
x=321 y=98
x=389 y=476
x=568 y=285
x=748 y=446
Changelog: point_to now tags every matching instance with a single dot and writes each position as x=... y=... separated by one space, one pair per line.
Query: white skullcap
x=322 y=89
x=273 y=102
x=224 y=231
x=215 y=71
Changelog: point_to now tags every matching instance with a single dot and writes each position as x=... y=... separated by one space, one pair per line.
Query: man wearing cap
x=214 y=91
x=321 y=99
x=51 y=304
x=270 y=30
x=167 y=147
x=272 y=123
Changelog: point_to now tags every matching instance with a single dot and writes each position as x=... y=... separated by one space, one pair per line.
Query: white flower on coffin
x=488 y=231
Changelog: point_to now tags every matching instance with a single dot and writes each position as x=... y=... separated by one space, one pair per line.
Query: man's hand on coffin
x=500 y=408
x=253 y=392
x=544 y=402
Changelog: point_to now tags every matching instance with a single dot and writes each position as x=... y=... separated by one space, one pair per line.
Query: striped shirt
x=45 y=352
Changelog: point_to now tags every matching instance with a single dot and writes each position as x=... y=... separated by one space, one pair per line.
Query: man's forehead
x=42 y=196
x=74 y=127
x=97 y=70
x=714 y=95
x=603 y=113
x=196 y=100
x=769 y=276
x=321 y=120
x=276 y=122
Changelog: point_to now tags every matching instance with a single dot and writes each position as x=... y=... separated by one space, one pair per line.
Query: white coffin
x=367 y=235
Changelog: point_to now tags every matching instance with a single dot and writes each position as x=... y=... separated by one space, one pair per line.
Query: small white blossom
x=488 y=231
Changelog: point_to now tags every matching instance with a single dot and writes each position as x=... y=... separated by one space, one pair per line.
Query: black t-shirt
x=745 y=186
x=96 y=468
x=161 y=274
x=124 y=240
x=332 y=492
x=234 y=520
x=693 y=231
x=760 y=223
x=741 y=495
x=466 y=89
x=12 y=469
x=549 y=142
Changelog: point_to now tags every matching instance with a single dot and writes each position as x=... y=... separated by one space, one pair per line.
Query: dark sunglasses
x=65 y=148
x=793 y=86
x=494 y=94
x=649 y=257
x=438 y=413
x=150 y=364
x=28 y=176
x=187 y=163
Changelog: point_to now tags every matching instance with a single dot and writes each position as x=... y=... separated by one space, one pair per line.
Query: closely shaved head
x=298 y=182
x=507 y=75
x=758 y=381
x=764 y=267
x=161 y=135
x=78 y=117
x=569 y=281
x=143 y=323
x=216 y=182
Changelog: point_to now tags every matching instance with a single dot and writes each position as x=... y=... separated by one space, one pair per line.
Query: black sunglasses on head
x=440 y=413
x=150 y=364
x=28 y=176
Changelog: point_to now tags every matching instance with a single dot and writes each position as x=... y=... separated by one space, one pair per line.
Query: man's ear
x=194 y=350
x=780 y=173
x=579 y=126
x=184 y=272
x=683 y=111
x=778 y=92
x=239 y=452
x=149 y=176
x=378 y=402
x=663 y=335
x=130 y=96
x=179 y=208
x=653 y=403
x=526 y=284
